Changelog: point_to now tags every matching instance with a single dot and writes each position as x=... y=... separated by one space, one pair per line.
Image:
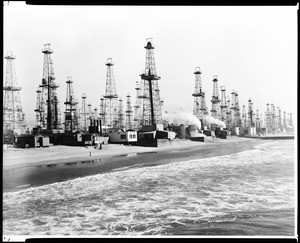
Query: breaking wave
x=235 y=194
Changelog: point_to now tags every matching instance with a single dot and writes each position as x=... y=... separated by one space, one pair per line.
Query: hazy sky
x=253 y=50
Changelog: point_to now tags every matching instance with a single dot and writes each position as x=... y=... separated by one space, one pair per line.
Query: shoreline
x=15 y=158
x=134 y=200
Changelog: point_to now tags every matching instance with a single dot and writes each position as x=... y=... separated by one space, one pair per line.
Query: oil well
x=118 y=120
x=13 y=116
x=49 y=129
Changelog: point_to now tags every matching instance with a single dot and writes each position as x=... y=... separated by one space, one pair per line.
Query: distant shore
x=18 y=158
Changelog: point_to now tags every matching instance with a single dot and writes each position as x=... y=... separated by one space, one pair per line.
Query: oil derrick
x=199 y=109
x=12 y=108
x=233 y=109
x=257 y=120
x=128 y=111
x=110 y=98
x=90 y=111
x=39 y=107
x=162 y=102
x=273 y=115
x=137 y=107
x=268 y=121
x=250 y=113
x=223 y=104
x=262 y=122
x=279 y=120
x=215 y=99
x=102 y=110
x=151 y=111
x=95 y=114
x=47 y=110
x=291 y=120
x=228 y=114
x=71 y=115
x=145 y=108
x=237 y=109
x=84 y=113
x=244 y=117
x=120 y=124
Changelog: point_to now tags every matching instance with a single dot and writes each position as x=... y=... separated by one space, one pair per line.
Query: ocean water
x=248 y=193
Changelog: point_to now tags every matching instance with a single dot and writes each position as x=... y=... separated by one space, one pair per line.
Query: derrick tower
x=120 y=124
x=102 y=109
x=233 y=109
x=237 y=108
x=137 y=107
x=95 y=114
x=215 y=108
x=250 y=113
x=223 y=104
x=291 y=120
x=71 y=115
x=150 y=93
x=47 y=109
x=273 y=115
x=90 y=110
x=110 y=98
x=84 y=113
x=268 y=122
x=244 y=117
x=228 y=114
x=279 y=120
x=257 y=120
x=128 y=111
x=262 y=121
x=12 y=108
x=199 y=109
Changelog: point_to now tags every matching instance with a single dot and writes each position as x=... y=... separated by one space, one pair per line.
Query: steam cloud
x=182 y=118
x=190 y=119
x=211 y=120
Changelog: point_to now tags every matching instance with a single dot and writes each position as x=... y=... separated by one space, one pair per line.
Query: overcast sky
x=253 y=50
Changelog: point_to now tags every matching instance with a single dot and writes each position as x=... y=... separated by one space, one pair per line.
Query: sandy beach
x=226 y=187
x=18 y=158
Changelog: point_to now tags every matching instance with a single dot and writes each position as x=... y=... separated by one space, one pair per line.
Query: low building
x=32 y=141
x=122 y=137
x=150 y=138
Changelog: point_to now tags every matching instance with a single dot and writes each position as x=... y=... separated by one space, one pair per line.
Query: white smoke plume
x=182 y=118
x=211 y=120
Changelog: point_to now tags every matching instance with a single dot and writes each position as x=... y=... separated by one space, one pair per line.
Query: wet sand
x=20 y=175
x=18 y=158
